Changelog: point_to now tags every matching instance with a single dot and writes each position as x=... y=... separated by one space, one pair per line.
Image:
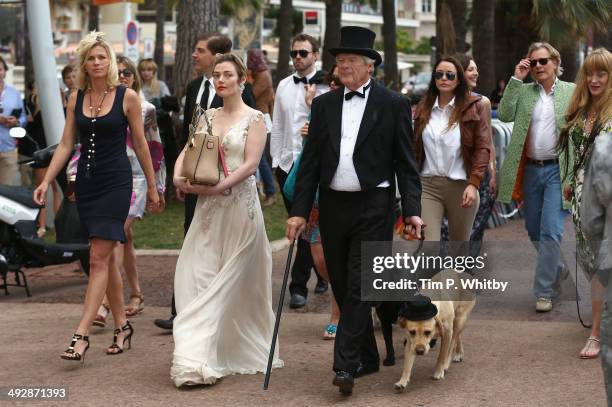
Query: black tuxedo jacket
x=190 y=100
x=383 y=149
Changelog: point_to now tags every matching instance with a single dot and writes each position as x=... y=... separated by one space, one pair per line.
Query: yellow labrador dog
x=443 y=318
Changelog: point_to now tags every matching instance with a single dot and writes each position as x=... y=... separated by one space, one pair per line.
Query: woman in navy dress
x=100 y=113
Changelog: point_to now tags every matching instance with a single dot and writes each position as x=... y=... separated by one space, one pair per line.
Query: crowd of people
x=342 y=148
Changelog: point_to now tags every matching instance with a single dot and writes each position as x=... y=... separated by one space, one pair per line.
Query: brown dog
x=453 y=310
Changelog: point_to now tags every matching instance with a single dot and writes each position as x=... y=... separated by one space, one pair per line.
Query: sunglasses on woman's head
x=302 y=52
x=440 y=74
x=126 y=73
x=541 y=61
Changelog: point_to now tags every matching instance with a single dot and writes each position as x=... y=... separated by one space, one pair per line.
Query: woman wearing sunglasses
x=452 y=146
x=532 y=170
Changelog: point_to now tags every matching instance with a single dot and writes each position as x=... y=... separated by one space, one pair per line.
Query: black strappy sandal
x=72 y=355
x=127 y=338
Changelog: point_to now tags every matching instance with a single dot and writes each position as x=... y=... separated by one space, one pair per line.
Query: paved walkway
x=514 y=357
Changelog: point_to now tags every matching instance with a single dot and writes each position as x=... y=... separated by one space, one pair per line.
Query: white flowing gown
x=222 y=285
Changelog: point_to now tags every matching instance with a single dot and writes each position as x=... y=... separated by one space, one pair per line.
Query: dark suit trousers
x=300 y=273
x=346 y=219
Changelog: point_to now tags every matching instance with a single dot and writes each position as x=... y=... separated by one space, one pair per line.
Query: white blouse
x=443 y=145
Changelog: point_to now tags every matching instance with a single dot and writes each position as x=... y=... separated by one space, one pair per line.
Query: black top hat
x=419 y=309
x=357 y=40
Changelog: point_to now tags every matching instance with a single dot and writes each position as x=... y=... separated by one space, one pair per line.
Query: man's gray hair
x=368 y=60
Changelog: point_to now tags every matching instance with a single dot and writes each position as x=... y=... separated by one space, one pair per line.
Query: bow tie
x=297 y=79
x=352 y=93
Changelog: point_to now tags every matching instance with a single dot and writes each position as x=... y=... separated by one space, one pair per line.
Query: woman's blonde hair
x=554 y=54
x=154 y=87
x=91 y=40
x=232 y=57
x=137 y=85
x=582 y=102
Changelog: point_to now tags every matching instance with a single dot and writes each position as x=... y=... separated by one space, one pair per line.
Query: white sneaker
x=543 y=305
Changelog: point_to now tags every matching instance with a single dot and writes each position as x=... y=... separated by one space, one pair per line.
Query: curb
x=276 y=246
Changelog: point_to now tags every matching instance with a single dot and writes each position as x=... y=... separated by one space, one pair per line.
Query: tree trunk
x=28 y=63
x=194 y=17
x=458 y=10
x=569 y=60
x=285 y=23
x=94 y=16
x=333 y=13
x=390 y=44
x=483 y=40
x=445 y=30
x=160 y=20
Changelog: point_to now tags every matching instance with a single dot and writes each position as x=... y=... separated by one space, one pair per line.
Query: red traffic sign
x=131 y=31
x=311 y=17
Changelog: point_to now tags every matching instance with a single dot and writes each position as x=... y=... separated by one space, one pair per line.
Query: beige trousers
x=8 y=167
x=442 y=196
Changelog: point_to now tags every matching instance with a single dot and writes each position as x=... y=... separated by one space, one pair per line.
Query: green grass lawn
x=165 y=231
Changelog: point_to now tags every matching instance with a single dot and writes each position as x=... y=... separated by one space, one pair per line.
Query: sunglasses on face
x=302 y=52
x=125 y=73
x=440 y=74
x=541 y=61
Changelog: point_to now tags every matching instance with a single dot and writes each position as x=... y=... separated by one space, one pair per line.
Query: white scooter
x=20 y=246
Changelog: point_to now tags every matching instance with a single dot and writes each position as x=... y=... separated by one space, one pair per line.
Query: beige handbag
x=203 y=154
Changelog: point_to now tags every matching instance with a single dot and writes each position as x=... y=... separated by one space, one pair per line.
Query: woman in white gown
x=222 y=284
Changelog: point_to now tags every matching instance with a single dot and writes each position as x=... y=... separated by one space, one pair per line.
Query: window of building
x=147 y=11
x=426 y=6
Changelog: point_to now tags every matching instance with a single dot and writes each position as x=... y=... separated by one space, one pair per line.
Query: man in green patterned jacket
x=533 y=171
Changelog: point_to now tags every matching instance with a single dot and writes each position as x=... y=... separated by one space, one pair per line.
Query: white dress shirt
x=211 y=92
x=290 y=113
x=542 y=140
x=443 y=145
x=345 y=178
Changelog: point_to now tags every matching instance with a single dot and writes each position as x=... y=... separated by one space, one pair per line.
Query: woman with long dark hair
x=452 y=147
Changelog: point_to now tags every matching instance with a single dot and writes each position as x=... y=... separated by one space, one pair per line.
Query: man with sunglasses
x=290 y=114
x=533 y=171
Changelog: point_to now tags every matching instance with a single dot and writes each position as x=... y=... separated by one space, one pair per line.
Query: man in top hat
x=359 y=143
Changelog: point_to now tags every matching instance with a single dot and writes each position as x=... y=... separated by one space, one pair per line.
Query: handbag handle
x=224 y=166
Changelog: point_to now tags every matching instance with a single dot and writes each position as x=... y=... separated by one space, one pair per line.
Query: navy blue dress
x=104 y=175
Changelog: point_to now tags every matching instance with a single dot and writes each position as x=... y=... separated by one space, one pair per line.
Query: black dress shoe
x=165 y=323
x=344 y=381
x=366 y=368
x=297 y=301
x=321 y=287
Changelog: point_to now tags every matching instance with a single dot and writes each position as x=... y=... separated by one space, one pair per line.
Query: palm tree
x=458 y=10
x=285 y=24
x=160 y=20
x=390 y=44
x=563 y=22
x=333 y=14
x=483 y=38
x=94 y=16
x=194 y=17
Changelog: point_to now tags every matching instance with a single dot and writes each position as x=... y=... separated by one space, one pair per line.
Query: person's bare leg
x=592 y=347
x=319 y=262
x=99 y=256
x=129 y=266
x=114 y=293
x=39 y=174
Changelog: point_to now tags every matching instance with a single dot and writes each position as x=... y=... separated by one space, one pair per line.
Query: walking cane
x=278 y=313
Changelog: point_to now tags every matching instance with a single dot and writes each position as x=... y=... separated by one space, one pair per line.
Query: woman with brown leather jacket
x=452 y=144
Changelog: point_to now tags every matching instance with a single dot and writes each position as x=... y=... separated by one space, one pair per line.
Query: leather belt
x=542 y=163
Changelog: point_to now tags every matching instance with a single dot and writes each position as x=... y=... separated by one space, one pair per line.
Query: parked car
x=416 y=86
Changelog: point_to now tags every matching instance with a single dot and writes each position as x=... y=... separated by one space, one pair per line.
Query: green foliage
x=407 y=45
x=423 y=47
x=298 y=23
x=230 y=7
x=561 y=20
